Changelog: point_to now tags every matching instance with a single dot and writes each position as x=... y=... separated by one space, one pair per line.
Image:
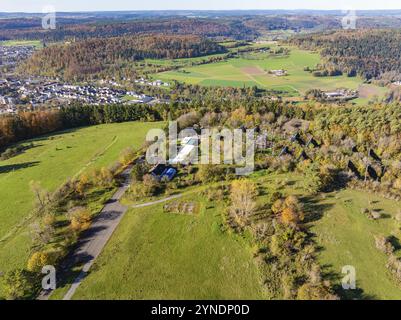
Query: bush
x=138 y=171
x=127 y=156
x=310 y=291
x=103 y=177
x=384 y=245
x=211 y=173
x=40 y=259
x=17 y=284
x=80 y=219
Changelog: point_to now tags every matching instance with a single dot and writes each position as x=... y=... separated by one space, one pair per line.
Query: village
x=28 y=93
x=32 y=93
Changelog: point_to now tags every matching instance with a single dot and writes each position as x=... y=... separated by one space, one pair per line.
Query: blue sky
x=100 y=5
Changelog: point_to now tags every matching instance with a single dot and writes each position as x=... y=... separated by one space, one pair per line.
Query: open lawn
x=52 y=160
x=346 y=236
x=156 y=255
x=252 y=70
x=35 y=43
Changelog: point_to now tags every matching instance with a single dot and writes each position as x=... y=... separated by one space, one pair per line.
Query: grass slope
x=36 y=43
x=53 y=160
x=155 y=255
x=347 y=238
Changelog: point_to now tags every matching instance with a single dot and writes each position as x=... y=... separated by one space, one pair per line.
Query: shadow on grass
x=19 y=166
x=313 y=209
x=345 y=294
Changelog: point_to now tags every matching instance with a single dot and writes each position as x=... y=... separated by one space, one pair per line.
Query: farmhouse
x=341 y=94
x=161 y=172
x=278 y=73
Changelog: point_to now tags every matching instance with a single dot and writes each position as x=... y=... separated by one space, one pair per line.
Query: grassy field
x=252 y=70
x=51 y=161
x=155 y=255
x=347 y=238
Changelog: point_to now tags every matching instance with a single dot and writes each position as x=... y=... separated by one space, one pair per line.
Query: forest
x=372 y=54
x=84 y=59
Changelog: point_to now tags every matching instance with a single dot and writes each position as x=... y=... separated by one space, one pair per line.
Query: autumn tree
x=16 y=284
x=243 y=200
x=80 y=218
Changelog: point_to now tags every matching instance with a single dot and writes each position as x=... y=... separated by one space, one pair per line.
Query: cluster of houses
x=10 y=56
x=374 y=169
x=155 y=83
x=38 y=91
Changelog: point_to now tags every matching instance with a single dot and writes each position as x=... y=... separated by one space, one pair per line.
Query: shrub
x=138 y=171
x=243 y=199
x=80 y=219
x=211 y=173
x=17 y=284
x=82 y=184
x=309 y=291
x=384 y=245
x=40 y=259
x=127 y=156
x=292 y=217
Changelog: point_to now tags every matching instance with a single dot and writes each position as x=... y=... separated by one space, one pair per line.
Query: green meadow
x=36 y=43
x=253 y=70
x=346 y=236
x=156 y=255
x=52 y=160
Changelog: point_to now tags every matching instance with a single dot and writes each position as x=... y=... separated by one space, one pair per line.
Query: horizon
x=74 y=6
x=205 y=10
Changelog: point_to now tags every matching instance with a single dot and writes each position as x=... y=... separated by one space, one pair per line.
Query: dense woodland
x=238 y=27
x=372 y=54
x=100 y=56
x=202 y=27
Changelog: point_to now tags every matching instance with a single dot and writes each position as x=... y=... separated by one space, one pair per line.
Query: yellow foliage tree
x=80 y=219
x=38 y=260
x=243 y=199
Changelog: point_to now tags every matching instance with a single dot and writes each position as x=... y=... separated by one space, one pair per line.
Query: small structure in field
x=341 y=95
x=278 y=73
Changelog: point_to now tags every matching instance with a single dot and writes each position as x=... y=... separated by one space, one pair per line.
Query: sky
x=116 y=5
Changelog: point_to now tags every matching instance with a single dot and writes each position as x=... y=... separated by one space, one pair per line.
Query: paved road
x=94 y=239
x=92 y=242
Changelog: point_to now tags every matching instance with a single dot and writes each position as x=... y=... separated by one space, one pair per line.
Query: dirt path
x=148 y=204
